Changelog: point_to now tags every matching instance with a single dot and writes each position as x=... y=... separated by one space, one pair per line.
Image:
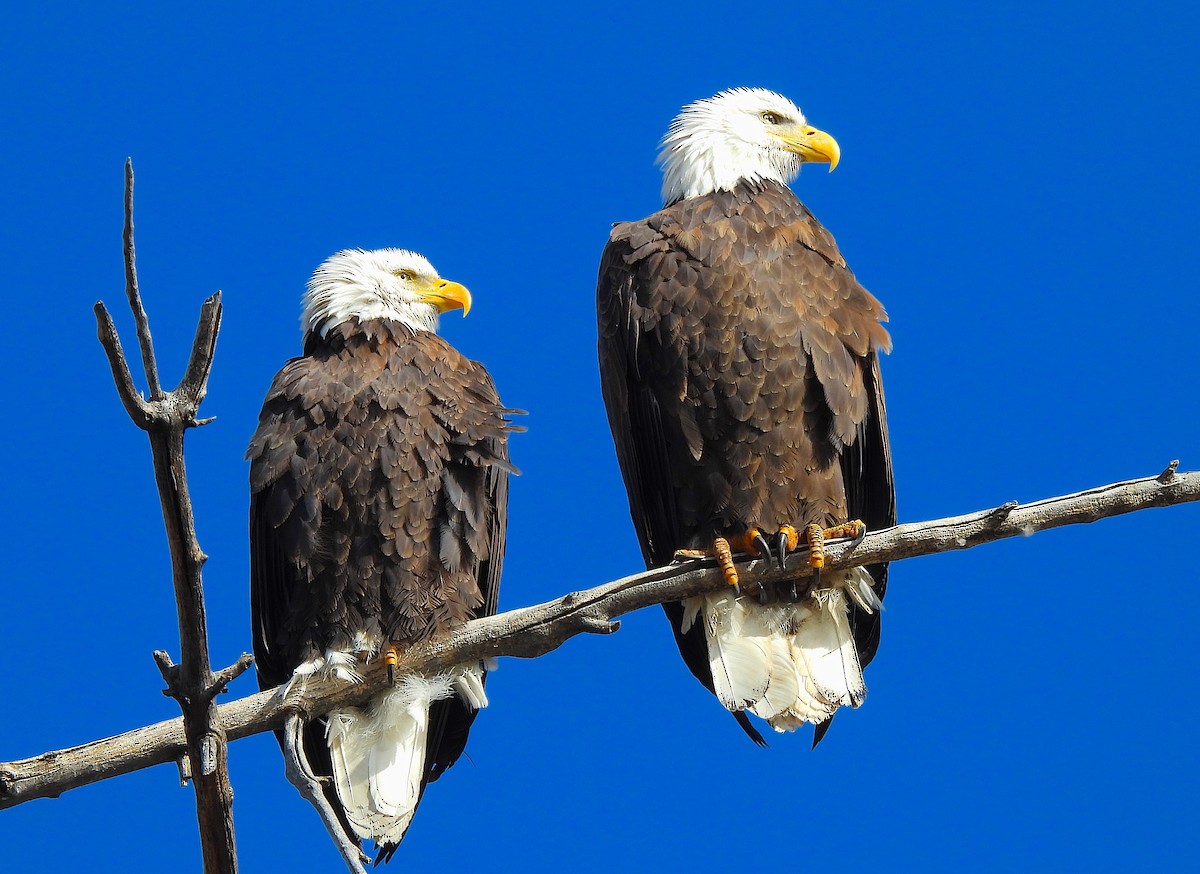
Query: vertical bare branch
x=134 y=295
x=165 y=418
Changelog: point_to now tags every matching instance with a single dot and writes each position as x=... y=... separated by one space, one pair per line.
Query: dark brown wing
x=449 y=720
x=634 y=413
x=871 y=497
x=274 y=578
x=632 y=367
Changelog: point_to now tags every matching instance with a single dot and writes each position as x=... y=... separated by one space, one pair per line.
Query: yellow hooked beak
x=446 y=296
x=813 y=145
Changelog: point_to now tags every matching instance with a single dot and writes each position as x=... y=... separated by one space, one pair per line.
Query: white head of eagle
x=749 y=134
x=393 y=284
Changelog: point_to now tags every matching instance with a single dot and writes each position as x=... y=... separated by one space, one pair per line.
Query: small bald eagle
x=739 y=365
x=378 y=496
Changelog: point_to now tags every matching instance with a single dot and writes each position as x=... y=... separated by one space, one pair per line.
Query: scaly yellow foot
x=390 y=656
x=748 y=543
x=816 y=536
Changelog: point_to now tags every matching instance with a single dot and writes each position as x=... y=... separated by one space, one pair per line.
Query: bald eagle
x=739 y=365
x=378 y=495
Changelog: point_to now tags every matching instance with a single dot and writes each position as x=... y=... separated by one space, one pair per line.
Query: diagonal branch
x=533 y=631
x=300 y=775
x=137 y=408
x=165 y=418
x=194 y=385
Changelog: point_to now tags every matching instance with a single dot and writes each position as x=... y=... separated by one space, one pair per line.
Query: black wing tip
x=819 y=731
x=744 y=721
x=384 y=853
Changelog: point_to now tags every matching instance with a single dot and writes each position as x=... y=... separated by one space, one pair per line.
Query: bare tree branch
x=300 y=774
x=165 y=418
x=134 y=295
x=533 y=631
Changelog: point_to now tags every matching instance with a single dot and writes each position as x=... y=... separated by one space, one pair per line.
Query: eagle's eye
x=771 y=118
x=406 y=275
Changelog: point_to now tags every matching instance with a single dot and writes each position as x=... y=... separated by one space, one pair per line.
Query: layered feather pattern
x=789 y=663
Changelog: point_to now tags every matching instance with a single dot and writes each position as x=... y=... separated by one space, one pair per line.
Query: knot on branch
x=599 y=625
x=1168 y=475
x=209 y=745
x=999 y=515
x=181 y=691
x=171 y=674
x=293 y=702
x=184 y=764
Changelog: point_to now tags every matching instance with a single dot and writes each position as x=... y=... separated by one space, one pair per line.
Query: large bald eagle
x=378 y=493
x=739 y=365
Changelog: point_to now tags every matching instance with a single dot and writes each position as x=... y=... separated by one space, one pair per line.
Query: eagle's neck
x=334 y=299
x=704 y=162
x=362 y=334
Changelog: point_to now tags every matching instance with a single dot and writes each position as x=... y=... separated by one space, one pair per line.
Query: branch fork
x=165 y=417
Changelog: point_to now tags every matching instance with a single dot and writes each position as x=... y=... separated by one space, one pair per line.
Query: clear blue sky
x=1018 y=186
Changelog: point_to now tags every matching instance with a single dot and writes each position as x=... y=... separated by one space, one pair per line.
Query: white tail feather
x=737 y=658
x=378 y=754
x=469 y=686
x=783 y=688
x=395 y=762
x=787 y=663
x=826 y=645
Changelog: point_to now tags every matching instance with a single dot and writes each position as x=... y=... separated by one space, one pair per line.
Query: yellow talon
x=390 y=657
x=815 y=535
x=725 y=558
x=721 y=551
x=853 y=529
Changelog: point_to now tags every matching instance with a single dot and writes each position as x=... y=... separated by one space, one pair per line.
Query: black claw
x=763 y=547
x=793 y=595
x=391 y=675
x=816 y=577
x=858 y=538
x=764 y=593
x=781 y=542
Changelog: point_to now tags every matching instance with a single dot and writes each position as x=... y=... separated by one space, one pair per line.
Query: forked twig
x=165 y=418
